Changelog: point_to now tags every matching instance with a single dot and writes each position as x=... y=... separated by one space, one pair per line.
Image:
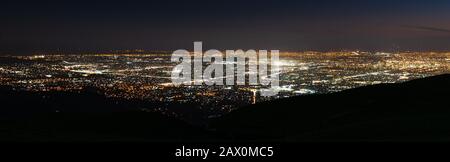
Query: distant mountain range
x=412 y=111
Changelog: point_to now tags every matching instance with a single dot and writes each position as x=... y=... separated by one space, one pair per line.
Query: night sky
x=322 y=25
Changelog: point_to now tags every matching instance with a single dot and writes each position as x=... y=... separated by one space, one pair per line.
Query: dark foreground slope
x=85 y=116
x=413 y=111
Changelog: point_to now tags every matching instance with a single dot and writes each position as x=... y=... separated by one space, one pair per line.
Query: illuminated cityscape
x=225 y=80
x=147 y=76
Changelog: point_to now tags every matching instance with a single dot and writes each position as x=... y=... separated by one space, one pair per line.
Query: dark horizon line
x=135 y=51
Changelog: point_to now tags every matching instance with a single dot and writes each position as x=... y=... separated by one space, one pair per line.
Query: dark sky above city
x=324 y=25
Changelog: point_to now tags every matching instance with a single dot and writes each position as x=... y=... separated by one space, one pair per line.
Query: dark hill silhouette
x=85 y=116
x=411 y=111
x=417 y=110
